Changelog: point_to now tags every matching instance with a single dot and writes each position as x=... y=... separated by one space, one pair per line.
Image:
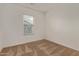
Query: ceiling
x=44 y=7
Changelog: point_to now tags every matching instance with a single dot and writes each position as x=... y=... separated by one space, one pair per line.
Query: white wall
x=63 y=26
x=60 y=25
x=12 y=23
x=1 y=26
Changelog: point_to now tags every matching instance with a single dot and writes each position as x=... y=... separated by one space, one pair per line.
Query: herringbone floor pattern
x=39 y=48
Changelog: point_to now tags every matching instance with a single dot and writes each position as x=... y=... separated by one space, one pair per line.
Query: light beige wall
x=1 y=26
x=63 y=26
x=12 y=21
x=60 y=25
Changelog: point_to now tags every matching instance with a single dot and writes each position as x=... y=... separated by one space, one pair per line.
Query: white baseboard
x=18 y=43
x=63 y=44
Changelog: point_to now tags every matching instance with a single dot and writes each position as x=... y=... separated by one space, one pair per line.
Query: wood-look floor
x=39 y=48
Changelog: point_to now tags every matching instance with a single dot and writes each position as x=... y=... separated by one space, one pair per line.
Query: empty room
x=39 y=29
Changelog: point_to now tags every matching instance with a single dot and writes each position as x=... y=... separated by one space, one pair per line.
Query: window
x=28 y=24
